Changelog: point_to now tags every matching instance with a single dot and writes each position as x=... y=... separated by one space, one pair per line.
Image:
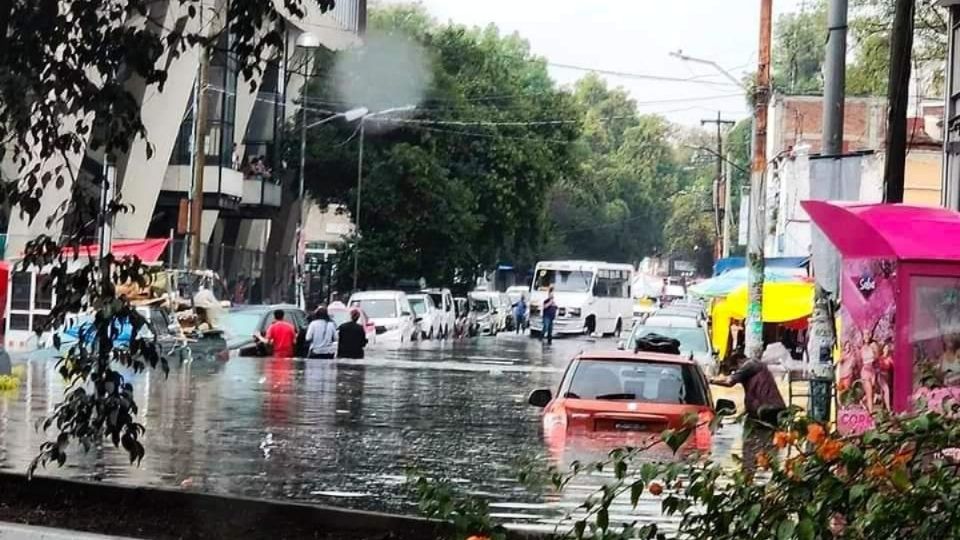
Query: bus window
x=563 y=280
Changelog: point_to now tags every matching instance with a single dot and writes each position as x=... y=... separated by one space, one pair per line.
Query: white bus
x=592 y=297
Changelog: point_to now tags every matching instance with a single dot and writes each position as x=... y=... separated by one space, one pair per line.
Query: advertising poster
x=867 y=322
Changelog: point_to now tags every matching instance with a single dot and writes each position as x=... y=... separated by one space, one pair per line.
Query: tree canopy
x=461 y=182
x=800 y=44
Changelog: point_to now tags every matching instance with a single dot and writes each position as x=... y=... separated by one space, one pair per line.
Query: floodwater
x=338 y=432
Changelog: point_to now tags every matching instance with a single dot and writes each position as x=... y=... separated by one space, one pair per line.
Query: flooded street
x=343 y=433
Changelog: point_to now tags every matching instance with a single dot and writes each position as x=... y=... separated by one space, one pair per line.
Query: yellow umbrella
x=782 y=302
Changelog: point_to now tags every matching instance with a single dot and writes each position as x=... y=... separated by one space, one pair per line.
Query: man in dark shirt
x=763 y=402
x=352 y=337
x=761 y=396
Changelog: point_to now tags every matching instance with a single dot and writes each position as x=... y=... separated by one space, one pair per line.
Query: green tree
x=483 y=140
x=799 y=50
x=613 y=207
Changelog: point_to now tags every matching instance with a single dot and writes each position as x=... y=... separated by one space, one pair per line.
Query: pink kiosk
x=900 y=305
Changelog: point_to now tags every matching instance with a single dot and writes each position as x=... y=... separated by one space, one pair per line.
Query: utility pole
x=835 y=78
x=823 y=335
x=755 y=262
x=898 y=88
x=199 y=158
x=720 y=188
x=727 y=208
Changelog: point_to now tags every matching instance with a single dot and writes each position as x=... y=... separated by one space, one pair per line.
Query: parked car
x=677 y=320
x=428 y=316
x=622 y=398
x=694 y=340
x=241 y=323
x=483 y=317
x=390 y=312
x=446 y=308
x=341 y=315
x=500 y=306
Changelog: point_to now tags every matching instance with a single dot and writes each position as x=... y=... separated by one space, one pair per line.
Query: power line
x=641 y=76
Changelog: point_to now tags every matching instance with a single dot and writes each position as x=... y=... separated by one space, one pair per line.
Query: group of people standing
x=323 y=338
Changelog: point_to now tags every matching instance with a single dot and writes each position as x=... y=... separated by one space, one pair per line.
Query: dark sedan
x=242 y=322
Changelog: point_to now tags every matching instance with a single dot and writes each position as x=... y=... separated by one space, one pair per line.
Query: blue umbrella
x=729 y=281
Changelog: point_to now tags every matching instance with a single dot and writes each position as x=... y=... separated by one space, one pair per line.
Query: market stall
x=900 y=305
x=784 y=303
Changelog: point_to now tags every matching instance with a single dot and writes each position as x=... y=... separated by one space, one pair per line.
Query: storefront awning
x=889 y=231
x=149 y=250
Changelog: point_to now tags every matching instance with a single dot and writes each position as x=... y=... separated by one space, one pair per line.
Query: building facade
x=243 y=173
x=795 y=137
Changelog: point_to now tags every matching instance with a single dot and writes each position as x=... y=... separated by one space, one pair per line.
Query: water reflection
x=341 y=432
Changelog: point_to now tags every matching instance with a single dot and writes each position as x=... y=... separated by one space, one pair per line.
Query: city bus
x=592 y=297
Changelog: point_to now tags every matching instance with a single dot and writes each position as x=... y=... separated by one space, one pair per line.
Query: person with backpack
x=322 y=336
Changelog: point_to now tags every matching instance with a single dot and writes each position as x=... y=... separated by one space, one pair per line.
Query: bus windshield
x=564 y=280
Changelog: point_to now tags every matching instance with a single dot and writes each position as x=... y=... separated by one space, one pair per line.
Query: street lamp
x=687 y=58
x=309 y=43
x=356 y=217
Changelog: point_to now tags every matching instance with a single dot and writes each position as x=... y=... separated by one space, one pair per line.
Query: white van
x=446 y=310
x=390 y=313
x=592 y=297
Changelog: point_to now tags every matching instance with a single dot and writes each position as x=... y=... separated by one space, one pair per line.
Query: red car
x=342 y=315
x=609 y=399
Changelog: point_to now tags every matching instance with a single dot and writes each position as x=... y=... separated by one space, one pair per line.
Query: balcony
x=223 y=188
x=260 y=191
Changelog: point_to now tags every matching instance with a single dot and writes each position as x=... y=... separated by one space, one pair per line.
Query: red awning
x=148 y=250
x=891 y=231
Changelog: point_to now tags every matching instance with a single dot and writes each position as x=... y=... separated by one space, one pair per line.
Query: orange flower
x=902 y=458
x=763 y=461
x=478 y=537
x=656 y=489
x=876 y=471
x=829 y=450
x=842 y=386
x=816 y=434
x=781 y=439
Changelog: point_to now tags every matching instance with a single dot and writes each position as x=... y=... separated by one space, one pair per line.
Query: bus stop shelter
x=899 y=305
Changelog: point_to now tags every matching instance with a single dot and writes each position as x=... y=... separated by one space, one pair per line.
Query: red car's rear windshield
x=655 y=382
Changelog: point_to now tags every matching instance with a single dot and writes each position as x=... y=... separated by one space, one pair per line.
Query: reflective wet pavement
x=343 y=433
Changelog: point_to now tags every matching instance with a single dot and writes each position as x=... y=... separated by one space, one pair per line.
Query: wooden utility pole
x=898 y=88
x=755 y=262
x=720 y=189
x=199 y=158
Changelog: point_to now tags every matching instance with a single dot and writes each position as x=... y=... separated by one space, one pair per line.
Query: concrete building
x=795 y=135
x=243 y=192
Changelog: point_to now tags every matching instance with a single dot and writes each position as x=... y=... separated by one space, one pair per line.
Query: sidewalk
x=16 y=531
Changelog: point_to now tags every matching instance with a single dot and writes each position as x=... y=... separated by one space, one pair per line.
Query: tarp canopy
x=149 y=250
x=890 y=231
x=782 y=303
x=731 y=263
x=728 y=282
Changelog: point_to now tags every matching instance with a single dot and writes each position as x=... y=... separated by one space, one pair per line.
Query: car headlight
x=574 y=312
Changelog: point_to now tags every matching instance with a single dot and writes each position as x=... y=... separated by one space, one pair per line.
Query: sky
x=636 y=36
